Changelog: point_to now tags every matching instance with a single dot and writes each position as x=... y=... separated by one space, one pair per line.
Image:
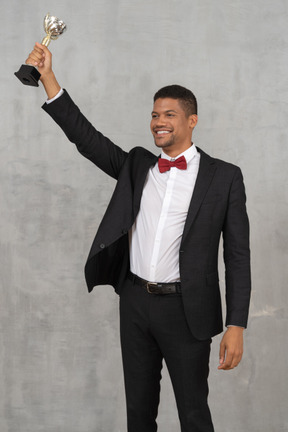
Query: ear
x=193 y=119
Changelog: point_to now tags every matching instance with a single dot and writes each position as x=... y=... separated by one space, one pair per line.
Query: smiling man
x=157 y=245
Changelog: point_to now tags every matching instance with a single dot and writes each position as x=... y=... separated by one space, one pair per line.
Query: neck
x=173 y=153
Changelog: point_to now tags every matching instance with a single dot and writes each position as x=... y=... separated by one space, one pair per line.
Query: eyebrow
x=165 y=112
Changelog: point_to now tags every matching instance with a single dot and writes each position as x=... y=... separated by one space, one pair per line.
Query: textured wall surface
x=60 y=364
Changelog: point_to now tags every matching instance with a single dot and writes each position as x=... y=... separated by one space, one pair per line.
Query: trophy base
x=28 y=75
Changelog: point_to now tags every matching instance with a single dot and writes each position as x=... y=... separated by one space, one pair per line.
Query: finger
x=222 y=354
x=231 y=361
x=38 y=49
x=227 y=362
x=43 y=48
x=36 y=53
x=36 y=56
x=33 y=60
x=38 y=45
x=225 y=367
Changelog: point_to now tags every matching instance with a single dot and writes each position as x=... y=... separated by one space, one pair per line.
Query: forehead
x=167 y=104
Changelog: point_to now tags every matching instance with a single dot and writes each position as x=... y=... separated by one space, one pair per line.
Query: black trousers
x=153 y=328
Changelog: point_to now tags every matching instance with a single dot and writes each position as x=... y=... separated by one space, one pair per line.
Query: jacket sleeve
x=90 y=142
x=237 y=254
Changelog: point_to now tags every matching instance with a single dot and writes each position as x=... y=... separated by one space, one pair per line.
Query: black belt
x=156 y=287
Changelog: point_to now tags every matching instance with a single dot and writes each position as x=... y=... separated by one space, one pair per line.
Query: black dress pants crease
x=153 y=328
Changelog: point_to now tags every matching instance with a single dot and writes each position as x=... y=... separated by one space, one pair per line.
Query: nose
x=160 y=121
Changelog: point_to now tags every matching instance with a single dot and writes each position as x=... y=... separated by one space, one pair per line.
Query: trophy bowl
x=53 y=27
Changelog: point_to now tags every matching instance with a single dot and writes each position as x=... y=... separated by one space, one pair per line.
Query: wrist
x=50 y=84
x=47 y=76
x=235 y=329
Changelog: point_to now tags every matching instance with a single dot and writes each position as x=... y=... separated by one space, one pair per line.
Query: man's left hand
x=231 y=348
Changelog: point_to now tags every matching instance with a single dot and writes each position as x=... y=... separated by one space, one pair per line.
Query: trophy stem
x=46 y=40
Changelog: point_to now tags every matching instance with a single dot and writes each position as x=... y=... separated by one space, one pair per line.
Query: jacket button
x=102 y=246
x=124 y=231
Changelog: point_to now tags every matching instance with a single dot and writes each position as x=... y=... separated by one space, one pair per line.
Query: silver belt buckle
x=148 y=286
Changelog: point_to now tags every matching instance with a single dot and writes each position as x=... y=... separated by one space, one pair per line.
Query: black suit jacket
x=217 y=206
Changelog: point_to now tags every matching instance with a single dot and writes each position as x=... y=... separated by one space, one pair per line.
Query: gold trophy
x=53 y=27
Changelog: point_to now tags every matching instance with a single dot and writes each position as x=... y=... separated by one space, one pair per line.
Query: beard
x=165 y=143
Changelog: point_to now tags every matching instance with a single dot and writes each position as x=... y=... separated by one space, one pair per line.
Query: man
x=158 y=246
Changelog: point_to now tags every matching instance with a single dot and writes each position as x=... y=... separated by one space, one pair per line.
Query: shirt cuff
x=48 y=101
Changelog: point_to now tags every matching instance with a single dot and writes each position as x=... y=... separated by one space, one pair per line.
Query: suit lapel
x=205 y=175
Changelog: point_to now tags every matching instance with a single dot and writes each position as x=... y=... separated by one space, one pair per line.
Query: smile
x=162 y=132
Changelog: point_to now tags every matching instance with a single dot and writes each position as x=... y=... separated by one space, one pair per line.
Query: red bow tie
x=165 y=165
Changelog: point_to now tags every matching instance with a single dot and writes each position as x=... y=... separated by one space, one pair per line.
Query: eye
x=154 y=116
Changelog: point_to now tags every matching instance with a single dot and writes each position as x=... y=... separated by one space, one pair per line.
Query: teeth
x=162 y=132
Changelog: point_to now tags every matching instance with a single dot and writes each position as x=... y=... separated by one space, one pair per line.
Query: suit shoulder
x=221 y=164
x=226 y=165
x=139 y=152
x=228 y=170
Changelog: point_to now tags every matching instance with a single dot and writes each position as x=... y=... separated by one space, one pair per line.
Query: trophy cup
x=53 y=27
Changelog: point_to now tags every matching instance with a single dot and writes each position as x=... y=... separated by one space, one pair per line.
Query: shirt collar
x=188 y=154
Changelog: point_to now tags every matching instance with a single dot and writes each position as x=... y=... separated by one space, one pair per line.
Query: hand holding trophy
x=28 y=74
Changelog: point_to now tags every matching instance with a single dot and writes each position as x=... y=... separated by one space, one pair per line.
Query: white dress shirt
x=156 y=234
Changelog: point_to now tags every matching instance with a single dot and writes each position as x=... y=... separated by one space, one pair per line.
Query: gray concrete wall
x=60 y=367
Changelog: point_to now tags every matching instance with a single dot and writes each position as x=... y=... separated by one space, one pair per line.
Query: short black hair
x=186 y=98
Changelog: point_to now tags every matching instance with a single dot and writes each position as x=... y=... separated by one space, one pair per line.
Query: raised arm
x=90 y=142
